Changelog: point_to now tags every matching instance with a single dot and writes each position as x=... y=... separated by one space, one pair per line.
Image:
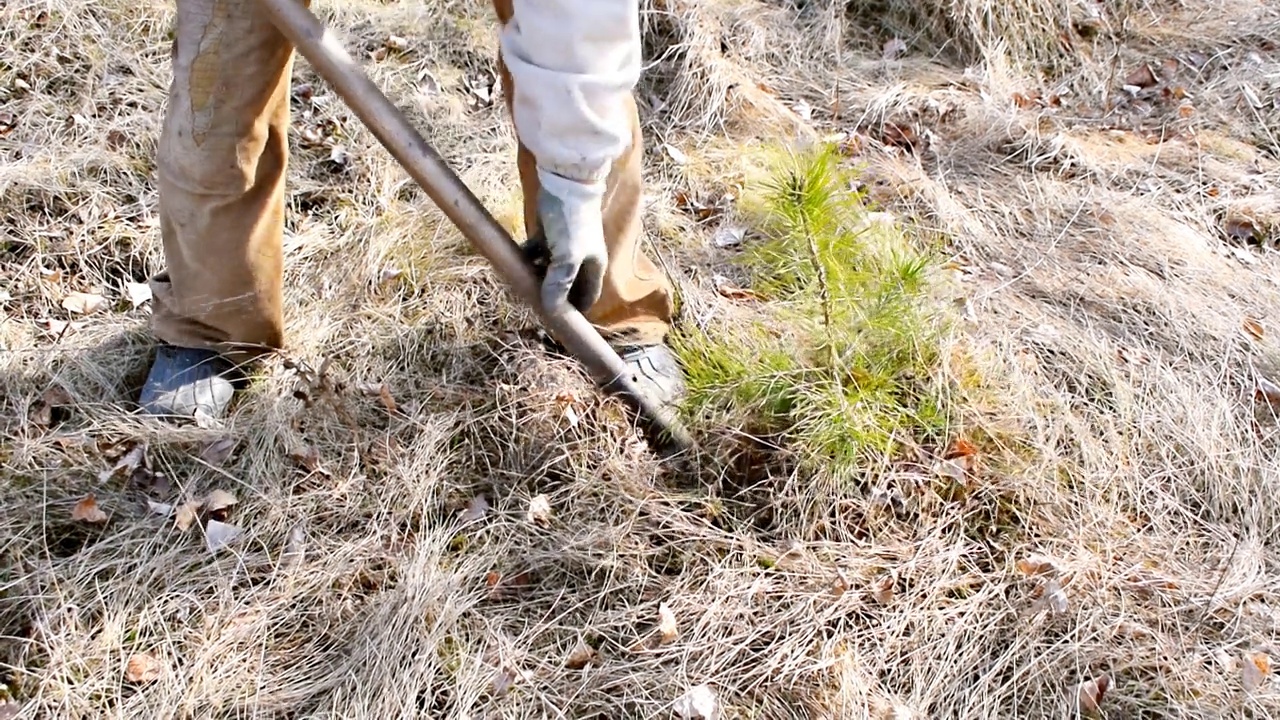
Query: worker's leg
x=221 y=166
x=635 y=307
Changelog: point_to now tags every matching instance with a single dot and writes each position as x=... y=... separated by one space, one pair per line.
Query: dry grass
x=1101 y=368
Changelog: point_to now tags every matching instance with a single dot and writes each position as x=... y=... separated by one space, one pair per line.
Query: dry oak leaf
x=218 y=535
x=667 y=627
x=217 y=452
x=475 y=510
x=699 y=703
x=882 y=589
x=581 y=656
x=1268 y=391
x=87 y=510
x=1255 y=669
x=309 y=458
x=83 y=303
x=384 y=397
x=727 y=236
x=893 y=49
x=143 y=668
x=186 y=515
x=42 y=410
x=139 y=293
x=1253 y=328
x=727 y=289
x=127 y=464
x=1053 y=598
x=1142 y=77
x=539 y=510
x=1037 y=564
x=219 y=500
x=961 y=448
x=1242 y=229
x=1089 y=694
x=953 y=469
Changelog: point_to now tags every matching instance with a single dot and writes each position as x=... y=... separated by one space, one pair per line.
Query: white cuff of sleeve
x=572 y=193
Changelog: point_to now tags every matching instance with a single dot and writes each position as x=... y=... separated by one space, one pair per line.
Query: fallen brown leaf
x=539 y=510
x=143 y=668
x=186 y=515
x=139 y=293
x=953 y=469
x=1142 y=77
x=901 y=136
x=312 y=136
x=1052 y=598
x=1268 y=391
x=219 y=500
x=882 y=589
x=581 y=656
x=733 y=292
x=128 y=463
x=668 y=629
x=838 y=587
x=961 y=448
x=58 y=328
x=1036 y=564
x=1255 y=669
x=699 y=703
x=217 y=452
x=309 y=458
x=295 y=546
x=1241 y=229
x=1026 y=101
x=218 y=535
x=42 y=411
x=728 y=236
x=428 y=83
x=893 y=49
x=503 y=587
x=1253 y=328
x=87 y=510
x=475 y=510
x=1089 y=694
x=384 y=396
x=83 y=303
x=506 y=677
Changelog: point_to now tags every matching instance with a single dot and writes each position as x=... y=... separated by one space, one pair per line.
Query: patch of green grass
x=839 y=361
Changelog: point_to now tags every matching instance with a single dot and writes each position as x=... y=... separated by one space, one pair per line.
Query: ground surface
x=1101 y=508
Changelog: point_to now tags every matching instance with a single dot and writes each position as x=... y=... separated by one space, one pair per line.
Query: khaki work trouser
x=222 y=163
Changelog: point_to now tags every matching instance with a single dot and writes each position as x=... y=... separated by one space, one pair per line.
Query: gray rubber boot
x=656 y=371
x=186 y=382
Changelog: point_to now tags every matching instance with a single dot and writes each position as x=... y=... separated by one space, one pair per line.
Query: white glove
x=570 y=214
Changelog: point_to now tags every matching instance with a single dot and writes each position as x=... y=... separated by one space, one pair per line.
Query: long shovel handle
x=330 y=60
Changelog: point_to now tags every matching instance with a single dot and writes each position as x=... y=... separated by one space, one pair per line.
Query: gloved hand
x=571 y=237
